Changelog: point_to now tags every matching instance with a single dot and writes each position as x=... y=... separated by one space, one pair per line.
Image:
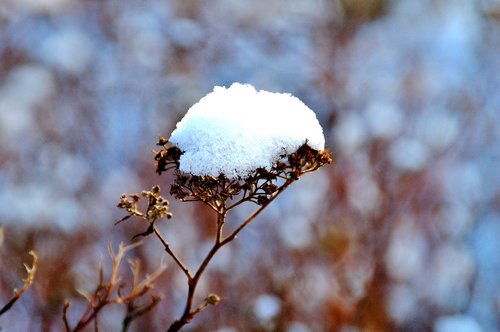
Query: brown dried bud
x=212 y=299
x=295 y=174
x=294 y=159
x=324 y=157
x=262 y=200
x=162 y=140
x=269 y=188
x=155 y=190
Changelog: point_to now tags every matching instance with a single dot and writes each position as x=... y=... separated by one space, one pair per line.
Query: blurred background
x=401 y=233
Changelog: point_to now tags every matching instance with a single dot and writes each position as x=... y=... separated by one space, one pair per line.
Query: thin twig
x=65 y=316
x=27 y=283
x=233 y=235
x=187 y=315
x=103 y=294
x=96 y=324
x=171 y=253
x=134 y=312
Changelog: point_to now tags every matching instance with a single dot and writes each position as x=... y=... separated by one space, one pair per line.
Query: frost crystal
x=236 y=130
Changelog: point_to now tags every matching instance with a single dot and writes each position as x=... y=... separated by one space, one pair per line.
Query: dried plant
x=31 y=271
x=111 y=291
x=221 y=194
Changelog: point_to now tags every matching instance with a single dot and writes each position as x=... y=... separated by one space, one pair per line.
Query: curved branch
x=27 y=283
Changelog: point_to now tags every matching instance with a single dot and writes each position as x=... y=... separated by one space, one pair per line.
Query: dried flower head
x=157 y=208
x=226 y=147
x=258 y=187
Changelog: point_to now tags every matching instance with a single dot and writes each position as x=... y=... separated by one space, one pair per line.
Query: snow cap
x=236 y=130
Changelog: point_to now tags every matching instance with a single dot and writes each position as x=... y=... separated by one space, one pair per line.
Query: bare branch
x=104 y=293
x=133 y=312
x=233 y=235
x=31 y=271
x=177 y=260
x=65 y=316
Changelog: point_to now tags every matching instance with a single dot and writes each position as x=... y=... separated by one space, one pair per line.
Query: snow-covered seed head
x=241 y=141
x=236 y=130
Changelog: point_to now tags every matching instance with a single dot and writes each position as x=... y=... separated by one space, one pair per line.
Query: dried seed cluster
x=158 y=206
x=259 y=187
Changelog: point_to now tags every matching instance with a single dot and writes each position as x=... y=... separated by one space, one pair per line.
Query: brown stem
x=9 y=305
x=188 y=313
x=92 y=312
x=65 y=316
x=27 y=283
x=134 y=312
x=233 y=235
x=171 y=253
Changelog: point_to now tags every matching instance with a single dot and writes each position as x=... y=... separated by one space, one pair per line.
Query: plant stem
x=233 y=235
x=171 y=253
x=188 y=313
x=193 y=281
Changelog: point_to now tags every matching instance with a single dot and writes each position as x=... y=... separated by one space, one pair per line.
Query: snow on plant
x=235 y=145
x=237 y=130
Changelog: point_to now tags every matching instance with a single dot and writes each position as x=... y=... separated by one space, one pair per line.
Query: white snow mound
x=238 y=129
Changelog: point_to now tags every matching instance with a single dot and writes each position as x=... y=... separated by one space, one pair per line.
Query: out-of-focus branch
x=31 y=271
x=134 y=311
x=104 y=293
